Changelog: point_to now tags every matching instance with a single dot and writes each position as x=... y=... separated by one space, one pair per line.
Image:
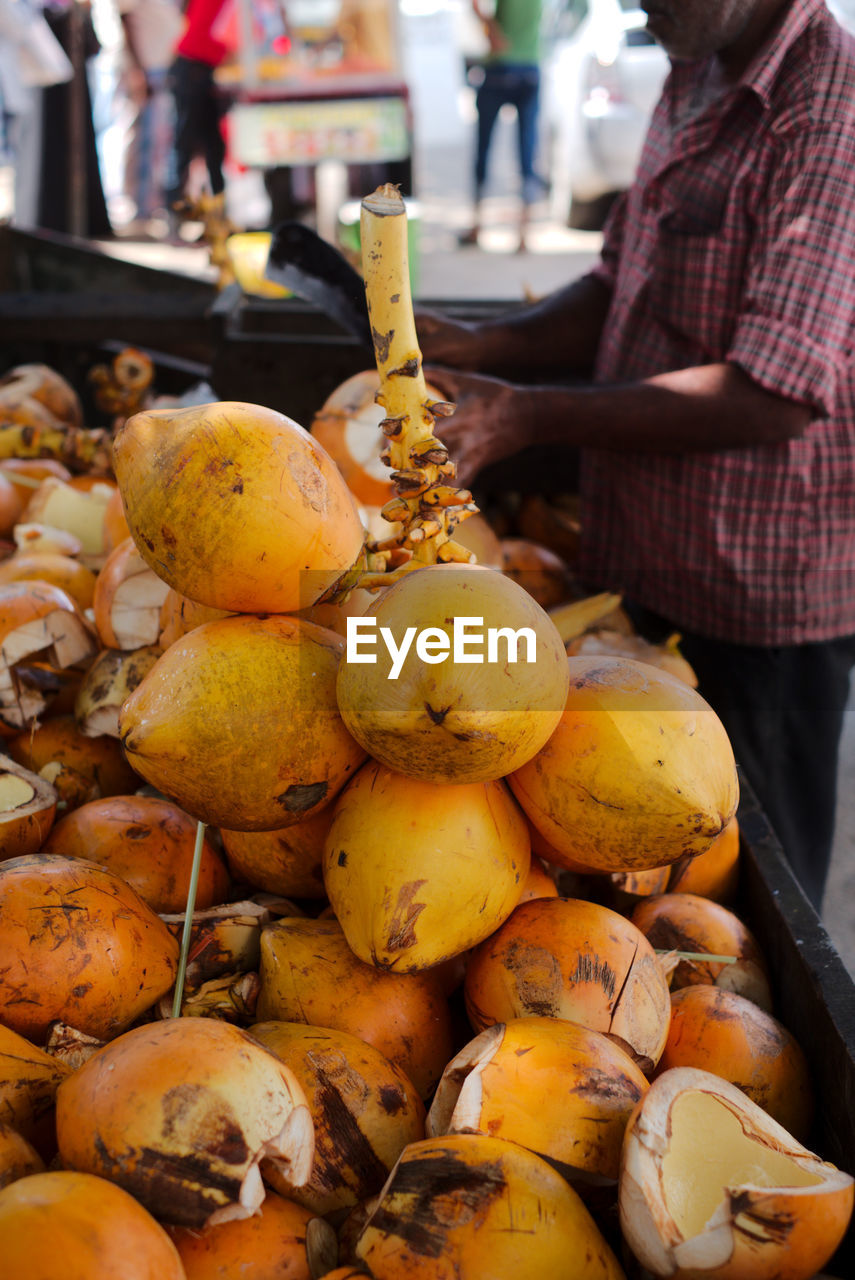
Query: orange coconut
x=178 y=615
x=181 y=1113
x=149 y=842
x=472 y=717
x=60 y=571
x=723 y=1032
x=78 y=945
x=79 y=767
x=309 y=974
x=542 y=573
x=127 y=600
x=26 y=474
x=555 y=1087
x=236 y=506
x=639 y=771
x=538 y=883
x=417 y=873
x=39 y=382
x=713 y=874
x=115 y=522
x=365 y=1111
x=280 y=1240
x=11 y=506
x=347 y=426
x=73 y=1226
x=757 y=1205
x=468 y=1206
x=18 y=1157
x=27 y=810
x=238 y=723
x=566 y=958
x=287 y=862
x=686 y=922
x=39 y=625
x=29 y=1079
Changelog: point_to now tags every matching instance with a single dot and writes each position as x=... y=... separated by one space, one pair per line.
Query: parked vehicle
x=602 y=75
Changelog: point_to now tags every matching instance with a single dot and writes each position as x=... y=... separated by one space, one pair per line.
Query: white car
x=601 y=79
x=602 y=76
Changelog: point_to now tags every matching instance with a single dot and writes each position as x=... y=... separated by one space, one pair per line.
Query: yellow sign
x=355 y=130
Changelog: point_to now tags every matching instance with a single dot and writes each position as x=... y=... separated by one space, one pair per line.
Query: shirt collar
x=763 y=71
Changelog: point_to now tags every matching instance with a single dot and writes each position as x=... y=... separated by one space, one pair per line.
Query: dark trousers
x=198 y=111
x=783 y=710
x=518 y=85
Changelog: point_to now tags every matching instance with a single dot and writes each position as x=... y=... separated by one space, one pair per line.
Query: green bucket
x=350 y=240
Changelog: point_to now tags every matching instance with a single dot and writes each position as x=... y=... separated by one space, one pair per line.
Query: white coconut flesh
x=460 y=1093
x=363 y=439
x=14 y=793
x=710 y=1154
x=135 y=612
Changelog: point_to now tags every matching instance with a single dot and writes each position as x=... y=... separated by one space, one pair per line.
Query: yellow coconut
x=555 y=1087
x=756 y=1205
x=365 y=1111
x=181 y=1113
x=468 y=1206
x=238 y=723
x=62 y=1225
x=638 y=773
x=480 y=690
x=235 y=506
x=417 y=873
x=309 y=974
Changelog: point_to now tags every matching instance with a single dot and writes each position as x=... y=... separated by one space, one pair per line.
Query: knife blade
x=316 y=271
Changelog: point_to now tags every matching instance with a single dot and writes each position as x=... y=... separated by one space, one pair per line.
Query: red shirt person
x=198 y=106
x=718 y=426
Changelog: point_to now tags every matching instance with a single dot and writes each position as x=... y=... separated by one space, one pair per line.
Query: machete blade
x=316 y=271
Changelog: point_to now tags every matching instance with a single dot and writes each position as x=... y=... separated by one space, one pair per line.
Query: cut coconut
x=128 y=599
x=27 y=810
x=78 y=511
x=712 y=1186
x=37 y=621
x=40 y=538
x=113 y=676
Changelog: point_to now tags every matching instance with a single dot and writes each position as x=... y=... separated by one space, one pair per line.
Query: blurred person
x=151 y=30
x=511 y=76
x=199 y=108
x=62 y=151
x=715 y=409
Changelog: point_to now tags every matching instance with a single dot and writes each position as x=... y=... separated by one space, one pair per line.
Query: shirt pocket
x=699 y=267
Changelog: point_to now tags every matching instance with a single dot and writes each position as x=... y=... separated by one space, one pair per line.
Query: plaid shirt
x=737 y=243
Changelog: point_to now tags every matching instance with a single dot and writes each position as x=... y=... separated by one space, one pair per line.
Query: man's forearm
x=557 y=334
x=714 y=406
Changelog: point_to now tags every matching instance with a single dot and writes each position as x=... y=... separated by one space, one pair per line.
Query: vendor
x=717 y=422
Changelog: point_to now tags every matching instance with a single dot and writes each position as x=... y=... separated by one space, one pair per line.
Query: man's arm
x=559 y=333
x=711 y=407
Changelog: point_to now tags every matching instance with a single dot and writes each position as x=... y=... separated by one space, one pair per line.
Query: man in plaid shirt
x=717 y=425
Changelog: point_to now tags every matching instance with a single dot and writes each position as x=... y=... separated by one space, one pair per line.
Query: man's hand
x=451 y=342
x=486 y=425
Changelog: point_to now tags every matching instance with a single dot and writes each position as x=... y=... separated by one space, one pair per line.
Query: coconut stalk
x=188 y=920
x=426 y=501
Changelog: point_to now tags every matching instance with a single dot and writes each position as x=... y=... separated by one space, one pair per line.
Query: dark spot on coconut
x=402 y=924
x=342 y=858
x=437 y=716
x=340 y=1144
x=300 y=797
x=438 y=1192
x=81 y=989
x=138 y=832
x=169 y=539
x=392 y=1099
x=593 y=969
x=237 y=487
